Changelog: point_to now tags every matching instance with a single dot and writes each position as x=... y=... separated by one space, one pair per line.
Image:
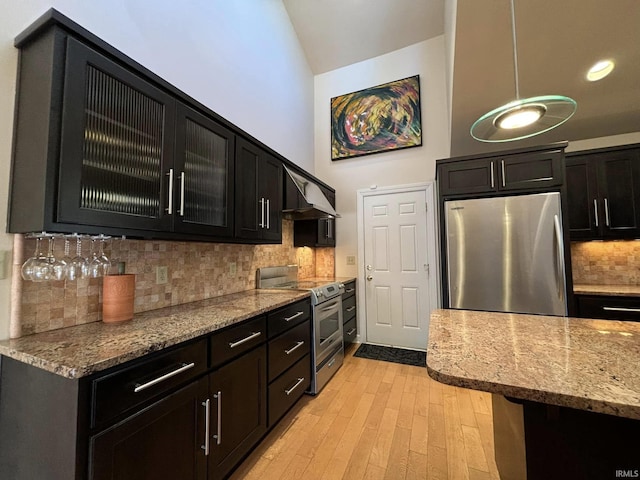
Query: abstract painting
x=376 y=119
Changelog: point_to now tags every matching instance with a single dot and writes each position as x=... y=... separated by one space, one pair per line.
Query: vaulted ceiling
x=557 y=43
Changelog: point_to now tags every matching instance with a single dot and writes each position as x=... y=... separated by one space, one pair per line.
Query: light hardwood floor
x=380 y=420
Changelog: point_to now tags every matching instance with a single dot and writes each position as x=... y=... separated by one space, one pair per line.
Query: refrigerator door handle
x=560 y=247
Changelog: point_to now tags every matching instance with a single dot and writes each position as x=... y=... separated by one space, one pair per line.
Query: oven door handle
x=334 y=306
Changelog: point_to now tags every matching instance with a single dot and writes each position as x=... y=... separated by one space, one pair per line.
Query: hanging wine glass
x=28 y=267
x=57 y=267
x=66 y=260
x=41 y=266
x=105 y=263
x=78 y=267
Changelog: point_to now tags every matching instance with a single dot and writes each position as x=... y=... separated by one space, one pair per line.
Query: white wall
x=383 y=169
x=240 y=58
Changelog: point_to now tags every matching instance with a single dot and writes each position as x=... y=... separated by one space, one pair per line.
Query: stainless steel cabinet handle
x=296 y=315
x=606 y=212
x=293 y=349
x=207 y=424
x=503 y=180
x=493 y=183
x=183 y=367
x=244 y=340
x=170 y=203
x=182 y=194
x=218 y=435
x=331 y=363
x=351 y=309
x=300 y=380
x=621 y=309
x=349 y=290
x=595 y=211
x=268 y=215
x=261 y=225
x=352 y=331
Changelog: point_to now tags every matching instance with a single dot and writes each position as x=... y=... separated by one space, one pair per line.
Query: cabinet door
x=238 y=393
x=204 y=175
x=270 y=181
x=468 y=176
x=609 y=307
x=619 y=183
x=116 y=145
x=531 y=170
x=585 y=219
x=249 y=207
x=164 y=441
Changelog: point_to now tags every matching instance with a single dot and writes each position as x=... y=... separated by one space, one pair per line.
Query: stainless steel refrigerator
x=506 y=254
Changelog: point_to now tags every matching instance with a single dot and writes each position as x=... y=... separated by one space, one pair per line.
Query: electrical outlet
x=232 y=268
x=162 y=275
x=351 y=259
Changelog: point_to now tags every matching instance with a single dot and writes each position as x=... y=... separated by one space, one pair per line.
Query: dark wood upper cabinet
x=204 y=190
x=501 y=173
x=603 y=190
x=102 y=145
x=259 y=193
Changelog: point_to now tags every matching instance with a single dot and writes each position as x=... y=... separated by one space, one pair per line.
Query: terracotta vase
x=117 y=297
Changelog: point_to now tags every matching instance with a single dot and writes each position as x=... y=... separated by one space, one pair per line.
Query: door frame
x=432 y=240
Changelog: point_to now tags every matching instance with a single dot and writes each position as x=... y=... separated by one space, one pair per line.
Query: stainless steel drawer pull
x=351 y=309
x=244 y=340
x=349 y=290
x=218 y=435
x=293 y=349
x=352 y=331
x=300 y=380
x=296 y=315
x=207 y=423
x=621 y=309
x=151 y=383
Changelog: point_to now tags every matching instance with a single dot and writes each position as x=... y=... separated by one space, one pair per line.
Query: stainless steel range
x=327 y=350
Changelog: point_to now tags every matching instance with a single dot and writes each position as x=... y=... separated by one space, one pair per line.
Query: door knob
x=369 y=277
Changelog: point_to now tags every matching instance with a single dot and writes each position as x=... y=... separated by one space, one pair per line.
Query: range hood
x=318 y=205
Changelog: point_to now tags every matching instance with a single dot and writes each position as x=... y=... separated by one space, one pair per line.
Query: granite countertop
x=81 y=350
x=613 y=290
x=579 y=363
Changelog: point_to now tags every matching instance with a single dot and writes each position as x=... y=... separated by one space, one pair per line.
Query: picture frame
x=377 y=119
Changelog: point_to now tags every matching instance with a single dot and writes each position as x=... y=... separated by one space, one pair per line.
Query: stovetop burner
x=285 y=277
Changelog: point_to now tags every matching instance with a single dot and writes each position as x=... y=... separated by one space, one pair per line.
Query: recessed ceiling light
x=600 y=70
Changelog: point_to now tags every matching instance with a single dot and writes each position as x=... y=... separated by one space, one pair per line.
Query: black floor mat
x=391 y=354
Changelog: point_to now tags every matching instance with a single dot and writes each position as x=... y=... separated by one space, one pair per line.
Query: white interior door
x=397 y=263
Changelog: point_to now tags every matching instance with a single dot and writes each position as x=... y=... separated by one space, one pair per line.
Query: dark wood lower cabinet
x=238 y=396
x=163 y=442
x=608 y=307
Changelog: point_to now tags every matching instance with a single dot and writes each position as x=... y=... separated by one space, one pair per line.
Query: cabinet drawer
x=612 y=308
x=129 y=387
x=288 y=388
x=350 y=331
x=349 y=290
x=235 y=340
x=287 y=317
x=288 y=348
x=348 y=309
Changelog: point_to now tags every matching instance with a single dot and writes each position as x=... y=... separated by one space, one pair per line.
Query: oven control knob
x=341 y=285
x=319 y=293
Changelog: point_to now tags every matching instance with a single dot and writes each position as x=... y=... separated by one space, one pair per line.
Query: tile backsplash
x=606 y=263
x=195 y=271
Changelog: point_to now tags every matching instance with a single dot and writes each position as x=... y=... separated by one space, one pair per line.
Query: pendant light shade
x=522 y=118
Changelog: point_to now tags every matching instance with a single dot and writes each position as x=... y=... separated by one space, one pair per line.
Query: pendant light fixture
x=522 y=118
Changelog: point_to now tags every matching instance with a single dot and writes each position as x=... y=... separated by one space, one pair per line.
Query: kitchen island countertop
x=583 y=364
x=81 y=350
